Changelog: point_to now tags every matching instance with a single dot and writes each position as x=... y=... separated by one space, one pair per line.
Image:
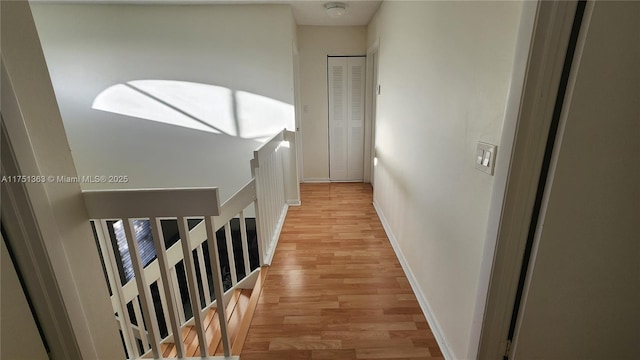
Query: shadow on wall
x=203 y=107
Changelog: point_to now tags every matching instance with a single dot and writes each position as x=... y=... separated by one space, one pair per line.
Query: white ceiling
x=313 y=13
x=305 y=12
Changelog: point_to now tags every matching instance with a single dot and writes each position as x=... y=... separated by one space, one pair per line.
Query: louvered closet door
x=338 y=118
x=346 y=118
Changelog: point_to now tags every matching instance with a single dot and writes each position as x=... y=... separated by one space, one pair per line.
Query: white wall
x=314 y=44
x=584 y=287
x=235 y=72
x=444 y=71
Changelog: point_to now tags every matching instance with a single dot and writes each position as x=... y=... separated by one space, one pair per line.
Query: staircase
x=197 y=297
x=239 y=312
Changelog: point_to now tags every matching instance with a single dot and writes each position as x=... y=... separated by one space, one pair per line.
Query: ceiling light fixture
x=335 y=9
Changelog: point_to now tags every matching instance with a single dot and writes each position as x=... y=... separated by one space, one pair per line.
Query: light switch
x=485 y=157
x=479 y=156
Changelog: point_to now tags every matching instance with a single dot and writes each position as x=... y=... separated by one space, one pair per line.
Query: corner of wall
x=516 y=88
x=372 y=28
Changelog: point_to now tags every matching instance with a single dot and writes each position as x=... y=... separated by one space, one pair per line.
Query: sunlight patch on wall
x=125 y=100
x=203 y=107
x=261 y=117
x=210 y=105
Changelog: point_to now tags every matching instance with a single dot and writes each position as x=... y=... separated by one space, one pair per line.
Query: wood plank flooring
x=335 y=289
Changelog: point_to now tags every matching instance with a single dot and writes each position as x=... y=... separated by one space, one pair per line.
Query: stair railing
x=275 y=171
x=157 y=204
x=273 y=188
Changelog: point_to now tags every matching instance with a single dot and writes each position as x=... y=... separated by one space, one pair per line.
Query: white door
x=346 y=118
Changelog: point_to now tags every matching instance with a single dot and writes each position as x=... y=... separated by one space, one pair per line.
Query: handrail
x=270 y=145
x=146 y=203
x=198 y=235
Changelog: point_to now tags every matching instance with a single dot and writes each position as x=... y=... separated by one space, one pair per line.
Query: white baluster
x=232 y=260
x=192 y=281
x=272 y=197
x=245 y=244
x=144 y=292
x=281 y=189
x=259 y=206
x=217 y=283
x=167 y=286
x=141 y=330
x=116 y=286
x=163 y=303
x=203 y=275
x=177 y=295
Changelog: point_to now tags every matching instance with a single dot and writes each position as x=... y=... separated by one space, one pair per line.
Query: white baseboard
x=327 y=180
x=316 y=180
x=422 y=300
x=220 y=357
x=272 y=249
x=294 y=202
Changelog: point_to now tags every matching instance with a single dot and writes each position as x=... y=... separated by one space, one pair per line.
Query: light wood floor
x=335 y=289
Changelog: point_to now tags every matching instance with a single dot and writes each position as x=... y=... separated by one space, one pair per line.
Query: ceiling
x=313 y=13
x=305 y=12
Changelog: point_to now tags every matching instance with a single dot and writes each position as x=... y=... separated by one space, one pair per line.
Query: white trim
x=347 y=181
x=315 y=180
x=268 y=255
x=247 y=282
x=294 y=202
x=219 y=357
x=370 y=102
x=298 y=113
x=422 y=299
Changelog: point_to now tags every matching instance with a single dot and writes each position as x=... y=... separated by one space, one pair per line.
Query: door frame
x=370 y=103
x=540 y=57
x=297 y=107
x=24 y=236
x=21 y=302
x=364 y=157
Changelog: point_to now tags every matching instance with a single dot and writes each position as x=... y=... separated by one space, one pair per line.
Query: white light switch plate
x=485 y=157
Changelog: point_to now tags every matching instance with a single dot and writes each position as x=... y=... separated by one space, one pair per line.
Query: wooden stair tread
x=239 y=312
x=188 y=336
x=216 y=340
x=243 y=330
x=235 y=317
x=212 y=329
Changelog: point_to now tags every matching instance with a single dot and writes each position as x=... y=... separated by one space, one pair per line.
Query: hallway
x=335 y=289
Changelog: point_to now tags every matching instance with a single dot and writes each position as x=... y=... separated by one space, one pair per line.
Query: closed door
x=346 y=118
